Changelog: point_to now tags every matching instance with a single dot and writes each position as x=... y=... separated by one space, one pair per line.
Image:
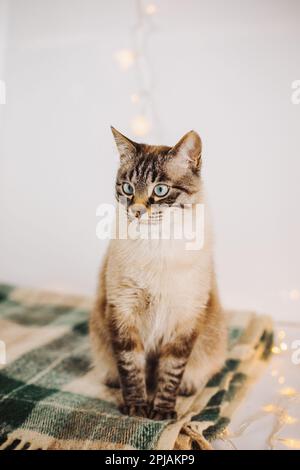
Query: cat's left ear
x=127 y=148
x=188 y=150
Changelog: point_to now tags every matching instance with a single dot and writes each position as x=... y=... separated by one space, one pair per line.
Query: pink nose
x=137 y=210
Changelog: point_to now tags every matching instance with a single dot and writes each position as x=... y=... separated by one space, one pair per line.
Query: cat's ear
x=126 y=147
x=188 y=151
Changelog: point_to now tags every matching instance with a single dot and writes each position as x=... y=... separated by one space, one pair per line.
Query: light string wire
x=146 y=120
x=282 y=419
x=288 y=396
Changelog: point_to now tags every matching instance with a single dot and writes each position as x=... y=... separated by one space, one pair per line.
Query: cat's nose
x=137 y=210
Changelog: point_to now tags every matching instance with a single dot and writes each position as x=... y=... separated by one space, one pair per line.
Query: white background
x=224 y=69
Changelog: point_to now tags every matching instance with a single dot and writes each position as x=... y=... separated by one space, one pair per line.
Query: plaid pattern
x=50 y=397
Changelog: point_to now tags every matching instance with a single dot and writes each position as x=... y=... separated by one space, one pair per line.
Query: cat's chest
x=166 y=270
x=160 y=265
x=176 y=283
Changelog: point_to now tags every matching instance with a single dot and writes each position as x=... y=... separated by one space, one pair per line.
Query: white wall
x=222 y=68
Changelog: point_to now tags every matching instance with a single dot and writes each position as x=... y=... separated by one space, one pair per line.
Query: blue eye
x=161 y=190
x=128 y=189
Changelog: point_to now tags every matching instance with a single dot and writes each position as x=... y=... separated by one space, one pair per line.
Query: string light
x=270 y=408
x=294 y=294
x=288 y=392
x=140 y=125
x=275 y=350
x=135 y=97
x=281 y=334
x=151 y=9
x=287 y=419
x=125 y=58
x=291 y=443
x=287 y=397
x=137 y=56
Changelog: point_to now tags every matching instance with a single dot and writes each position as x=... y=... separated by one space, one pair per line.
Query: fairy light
x=151 y=9
x=294 y=294
x=275 y=350
x=140 y=125
x=284 y=417
x=287 y=419
x=125 y=58
x=291 y=443
x=280 y=410
x=281 y=334
x=288 y=392
x=146 y=118
x=270 y=408
x=135 y=97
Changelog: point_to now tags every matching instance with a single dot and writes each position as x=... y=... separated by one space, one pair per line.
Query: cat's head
x=152 y=176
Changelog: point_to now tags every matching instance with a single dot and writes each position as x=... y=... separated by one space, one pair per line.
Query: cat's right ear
x=126 y=147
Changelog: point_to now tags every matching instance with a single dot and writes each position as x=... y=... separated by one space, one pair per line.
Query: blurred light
x=292 y=443
x=283 y=346
x=140 y=125
x=294 y=294
x=151 y=9
x=281 y=334
x=135 y=97
x=288 y=391
x=281 y=380
x=270 y=408
x=287 y=419
x=125 y=57
x=275 y=350
x=274 y=372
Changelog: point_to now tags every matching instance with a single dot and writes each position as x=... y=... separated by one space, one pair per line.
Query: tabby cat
x=157 y=328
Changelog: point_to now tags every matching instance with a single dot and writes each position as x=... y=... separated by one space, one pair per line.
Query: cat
x=157 y=328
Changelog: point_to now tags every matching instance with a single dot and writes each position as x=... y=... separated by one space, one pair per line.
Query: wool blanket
x=50 y=397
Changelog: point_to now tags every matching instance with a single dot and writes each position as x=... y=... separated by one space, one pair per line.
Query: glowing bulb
x=292 y=443
x=151 y=9
x=287 y=419
x=281 y=334
x=283 y=346
x=135 y=97
x=288 y=392
x=140 y=125
x=125 y=57
x=281 y=380
x=275 y=350
x=270 y=408
x=294 y=294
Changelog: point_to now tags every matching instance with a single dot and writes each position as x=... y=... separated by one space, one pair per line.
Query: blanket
x=50 y=397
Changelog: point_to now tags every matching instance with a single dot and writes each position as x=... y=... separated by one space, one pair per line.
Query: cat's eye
x=128 y=189
x=161 y=190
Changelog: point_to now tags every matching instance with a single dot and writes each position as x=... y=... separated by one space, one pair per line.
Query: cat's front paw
x=162 y=414
x=187 y=389
x=141 y=410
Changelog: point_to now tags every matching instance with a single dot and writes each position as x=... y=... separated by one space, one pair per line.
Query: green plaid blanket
x=50 y=397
